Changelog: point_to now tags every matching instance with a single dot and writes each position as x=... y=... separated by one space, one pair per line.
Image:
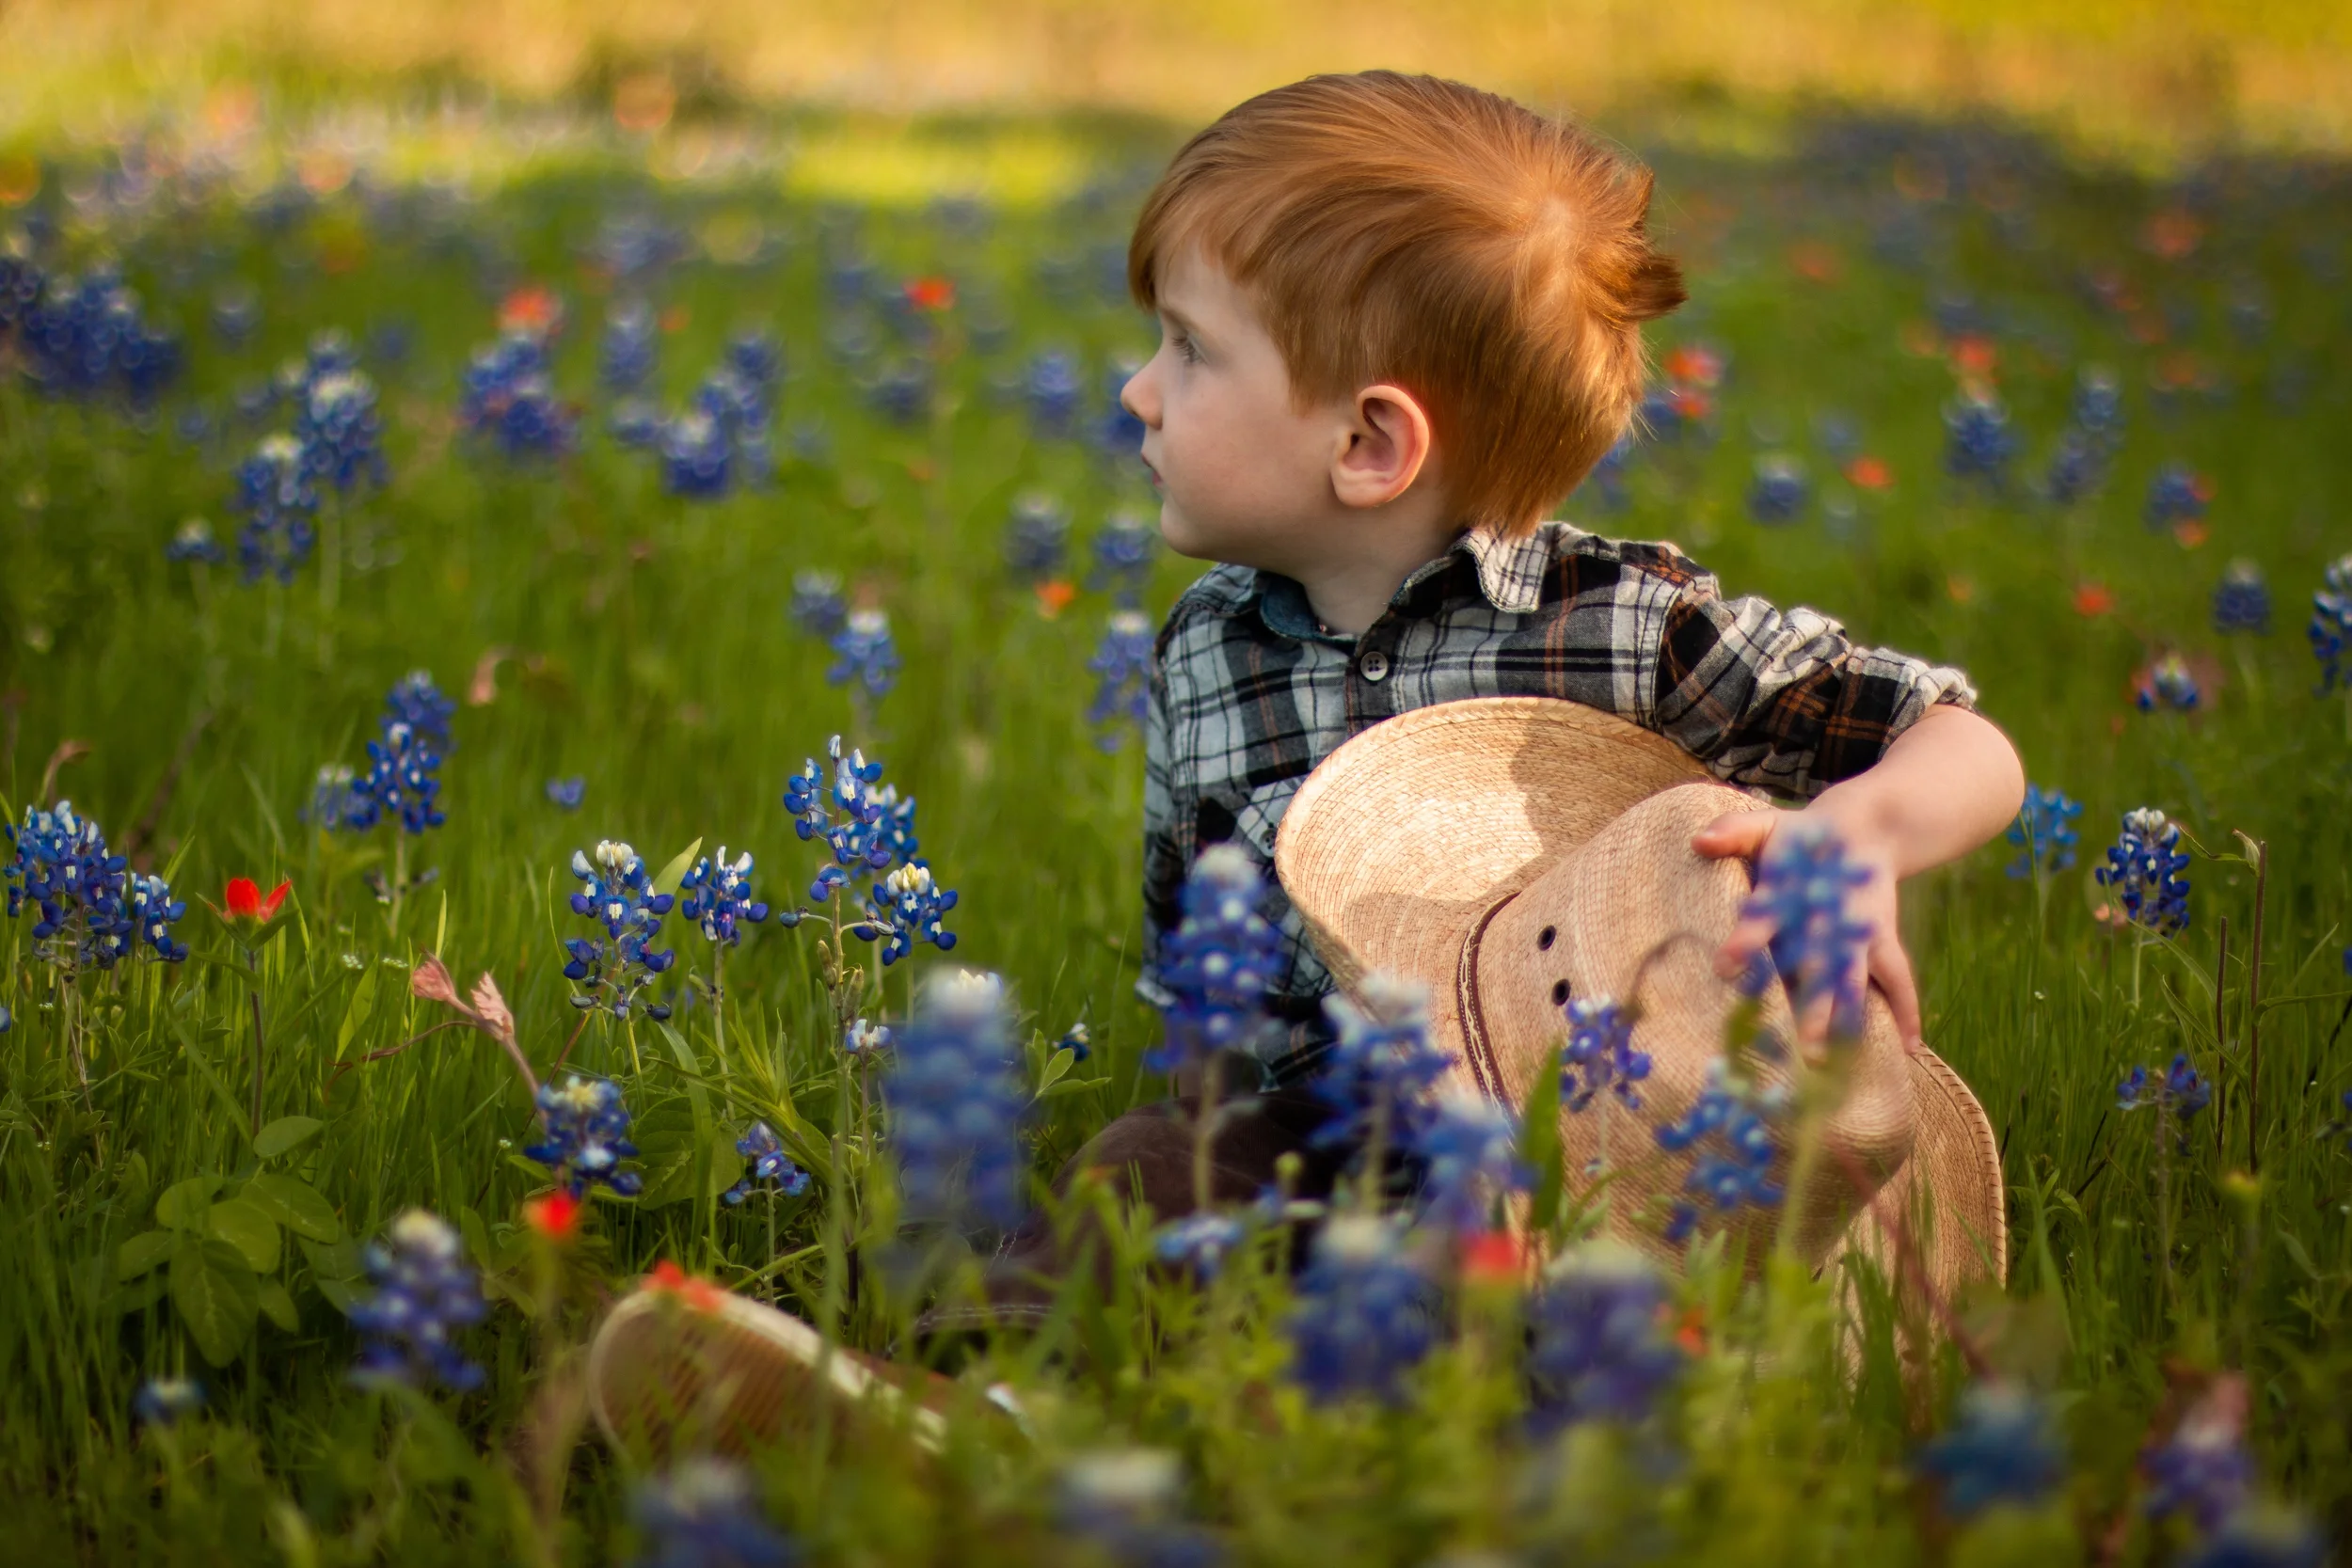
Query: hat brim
x=1405 y=837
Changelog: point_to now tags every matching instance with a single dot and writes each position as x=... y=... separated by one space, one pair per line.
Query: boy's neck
x=1349 y=593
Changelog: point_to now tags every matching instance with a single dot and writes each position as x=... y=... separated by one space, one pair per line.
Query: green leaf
x=185 y=1205
x=287 y=1134
x=1070 y=1086
x=278 y=1307
x=143 y=1252
x=675 y=873
x=217 y=1297
x=340 y=1295
x=1057 y=1067
x=248 y=1228
x=295 y=1205
x=139 y=1297
x=355 y=1013
x=1540 y=1146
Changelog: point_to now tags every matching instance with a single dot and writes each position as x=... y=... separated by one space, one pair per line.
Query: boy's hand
x=1749 y=834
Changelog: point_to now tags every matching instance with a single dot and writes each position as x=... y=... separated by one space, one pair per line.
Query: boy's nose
x=1140 y=398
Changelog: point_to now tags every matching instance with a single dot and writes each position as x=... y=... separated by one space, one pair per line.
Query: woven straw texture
x=1511 y=853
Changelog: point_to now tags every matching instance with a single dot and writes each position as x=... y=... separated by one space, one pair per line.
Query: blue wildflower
x=1037 y=538
x=2183 y=1090
x=695 y=451
x=2166 y=683
x=91 y=910
x=335 y=803
x=1119 y=433
x=8 y=1019
x=2097 y=410
x=2241 y=601
x=771 y=1167
x=1730 y=1127
x=625 y=360
x=2003 y=1448
x=956 y=1101
x=425 y=1294
x=1364 y=1317
x=340 y=432
x=619 y=896
x=1077 y=1041
x=717 y=897
x=863 y=1038
x=2143 y=868
x=1198 y=1243
x=1467 y=1147
x=401 y=783
x=2175 y=496
x=585 y=1136
x=907 y=907
x=1779 y=490
x=702 y=1514
x=864 y=655
x=1124 y=552
x=1801 y=889
x=755 y=359
x=1215 y=967
x=508 y=397
x=160 y=1402
x=2076 y=466
x=2331 y=623
x=2202 y=1469
x=635 y=424
x=901 y=391
x=193 y=545
x=1597 y=1352
x=1124 y=1501
x=1051 y=389
x=850 y=818
x=1122 y=667
x=275 y=494
x=1978 y=441
x=817 y=606
x=88 y=336
x=236 y=311
x=1599 y=1054
x=567 y=793
x=416 y=702
x=1381 y=1068
x=2044 y=831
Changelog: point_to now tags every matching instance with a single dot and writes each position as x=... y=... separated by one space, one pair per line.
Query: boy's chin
x=1180 y=534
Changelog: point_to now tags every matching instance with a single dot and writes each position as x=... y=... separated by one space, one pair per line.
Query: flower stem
x=1204 y=1132
x=253 y=969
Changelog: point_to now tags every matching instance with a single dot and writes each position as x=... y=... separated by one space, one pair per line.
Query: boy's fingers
x=1736 y=832
x=1890 y=966
x=1747 y=939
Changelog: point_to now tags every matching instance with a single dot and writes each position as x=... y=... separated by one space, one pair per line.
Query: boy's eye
x=1184 y=349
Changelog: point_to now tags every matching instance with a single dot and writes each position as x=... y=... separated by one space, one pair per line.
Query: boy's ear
x=1384 y=446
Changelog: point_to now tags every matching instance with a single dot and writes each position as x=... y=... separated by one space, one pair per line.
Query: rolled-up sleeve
x=1784 y=701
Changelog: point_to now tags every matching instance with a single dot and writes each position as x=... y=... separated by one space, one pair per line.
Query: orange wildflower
x=1054 y=596
x=555 y=1216
x=692 y=1289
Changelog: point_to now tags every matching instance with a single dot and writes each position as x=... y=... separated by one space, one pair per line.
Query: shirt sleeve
x=1785 y=702
x=1164 y=858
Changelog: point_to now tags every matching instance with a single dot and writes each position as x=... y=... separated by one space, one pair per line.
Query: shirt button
x=1375 y=666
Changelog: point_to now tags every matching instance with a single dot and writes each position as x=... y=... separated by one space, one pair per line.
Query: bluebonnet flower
x=1037 y=538
x=92 y=912
x=1381 y=1067
x=2175 y=494
x=1779 y=491
x=1124 y=552
x=2003 y=1448
x=1124 y=1502
x=1123 y=666
x=2076 y=466
x=619 y=895
x=193 y=544
x=336 y=804
x=567 y=793
x=425 y=1294
x=862 y=1037
x=694 y=456
x=1051 y=389
x=852 y=825
x=418 y=703
x=632 y=246
x=634 y=423
x=1198 y=1243
x=2261 y=1535
x=160 y=1402
x=1215 y=967
x=1598 y=1351
x=1469 y=1148
x=864 y=655
x=1119 y=433
x=341 y=434
x=769 y=1165
x=901 y=391
x=2144 y=869
x=1599 y=1054
x=907 y=905
x=236 y=311
x=2241 y=601
x=2331 y=623
x=88 y=336
x=895 y=824
x=1077 y=1041
x=1364 y=1317
x=584 y=1128
x=2097 y=410
x=1802 y=888
x=1730 y=1126
x=757 y=360
x=1978 y=441
x=401 y=783
x=508 y=397
x=279 y=501
x=2202 y=1469
x=2044 y=831
x=7 y=1020
x=2183 y=1090
x=702 y=1514
x=717 y=897
x=956 y=1101
x=817 y=606
x=625 y=360
x=2167 y=683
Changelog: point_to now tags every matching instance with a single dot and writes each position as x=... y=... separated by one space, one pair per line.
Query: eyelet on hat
x=1560 y=993
x=1545 y=937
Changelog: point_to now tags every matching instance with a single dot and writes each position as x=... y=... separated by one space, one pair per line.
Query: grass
x=643 y=644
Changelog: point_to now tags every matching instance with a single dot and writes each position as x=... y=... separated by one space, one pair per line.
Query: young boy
x=1400 y=320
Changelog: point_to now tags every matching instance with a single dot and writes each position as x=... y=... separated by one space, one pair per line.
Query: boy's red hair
x=1488 y=259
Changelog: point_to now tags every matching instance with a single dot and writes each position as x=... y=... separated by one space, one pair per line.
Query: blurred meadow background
x=674 y=388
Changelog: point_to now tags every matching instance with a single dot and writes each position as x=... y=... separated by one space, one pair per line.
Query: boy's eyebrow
x=1178 y=317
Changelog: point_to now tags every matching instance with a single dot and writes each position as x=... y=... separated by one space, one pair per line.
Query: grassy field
x=1851 y=286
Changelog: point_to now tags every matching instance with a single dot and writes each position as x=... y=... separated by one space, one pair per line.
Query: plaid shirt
x=1249 y=695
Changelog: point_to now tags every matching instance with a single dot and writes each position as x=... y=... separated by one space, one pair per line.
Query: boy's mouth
x=1158 y=482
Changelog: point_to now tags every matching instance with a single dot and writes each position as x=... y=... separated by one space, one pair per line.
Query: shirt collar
x=1510 y=575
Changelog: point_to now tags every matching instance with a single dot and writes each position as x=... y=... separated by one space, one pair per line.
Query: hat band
x=1474 y=1042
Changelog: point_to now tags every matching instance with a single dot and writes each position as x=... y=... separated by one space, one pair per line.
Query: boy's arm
x=1946 y=784
x=1164 y=860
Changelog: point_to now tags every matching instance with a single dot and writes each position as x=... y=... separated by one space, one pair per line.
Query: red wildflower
x=1053 y=597
x=2093 y=599
x=931 y=294
x=554 y=1216
x=1493 y=1258
x=1974 y=356
x=1870 y=473
x=692 y=1289
x=1696 y=365
x=533 y=308
x=244 y=900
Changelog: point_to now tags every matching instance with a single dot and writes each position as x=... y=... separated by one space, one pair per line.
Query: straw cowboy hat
x=1512 y=854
